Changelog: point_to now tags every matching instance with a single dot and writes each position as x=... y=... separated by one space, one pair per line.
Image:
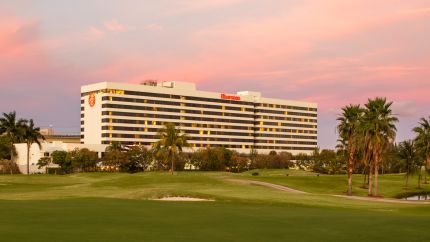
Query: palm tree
x=407 y=153
x=31 y=135
x=422 y=142
x=171 y=142
x=13 y=130
x=379 y=133
x=348 y=129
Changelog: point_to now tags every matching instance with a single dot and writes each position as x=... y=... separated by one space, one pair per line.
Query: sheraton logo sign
x=92 y=100
x=230 y=97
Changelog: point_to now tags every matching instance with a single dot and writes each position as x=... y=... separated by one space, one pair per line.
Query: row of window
x=176 y=110
x=285 y=142
x=229 y=146
x=271 y=105
x=287 y=119
x=201 y=132
x=162 y=116
x=285 y=136
x=280 y=124
x=155 y=137
x=195 y=125
x=285 y=112
x=183 y=104
x=200 y=125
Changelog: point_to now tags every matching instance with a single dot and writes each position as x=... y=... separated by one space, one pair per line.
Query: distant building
x=46 y=150
x=132 y=114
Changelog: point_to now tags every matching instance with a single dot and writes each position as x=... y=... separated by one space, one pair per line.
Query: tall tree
x=172 y=141
x=348 y=130
x=31 y=134
x=13 y=130
x=407 y=153
x=422 y=142
x=379 y=133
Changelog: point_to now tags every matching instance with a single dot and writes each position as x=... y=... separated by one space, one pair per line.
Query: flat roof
x=188 y=89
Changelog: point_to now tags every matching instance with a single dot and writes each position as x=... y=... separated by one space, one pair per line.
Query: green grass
x=117 y=207
x=390 y=186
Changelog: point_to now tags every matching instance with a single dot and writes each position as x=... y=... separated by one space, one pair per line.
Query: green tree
x=31 y=135
x=44 y=162
x=82 y=159
x=422 y=142
x=348 y=129
x=59 y=157
x=115 y=159
x=139 y=158
x=5 y=148
x=407 y=153
x=379 y=133
x=172 y=141
x=13 y=130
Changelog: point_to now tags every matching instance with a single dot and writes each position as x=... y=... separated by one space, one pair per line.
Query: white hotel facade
x=132 y=114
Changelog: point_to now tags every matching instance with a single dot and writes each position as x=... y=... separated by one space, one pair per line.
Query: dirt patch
x=184 y=199
x=266 y=184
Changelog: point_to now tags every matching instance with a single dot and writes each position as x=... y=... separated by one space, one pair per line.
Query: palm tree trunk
x=419 y=178
x=28 y=159
x=370 y=192
x=172 y=158
x=11 y=161
x=350 y=168
x=375 y=191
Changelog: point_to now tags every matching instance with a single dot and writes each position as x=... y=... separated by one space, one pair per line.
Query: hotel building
x=132 y=114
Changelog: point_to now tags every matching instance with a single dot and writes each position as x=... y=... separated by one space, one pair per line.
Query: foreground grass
x=115 y=207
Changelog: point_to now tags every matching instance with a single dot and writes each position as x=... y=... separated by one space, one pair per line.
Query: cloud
x=407 y=108
x=96 y=33
x=192 y=6
x=114 y=26
x=153 y=27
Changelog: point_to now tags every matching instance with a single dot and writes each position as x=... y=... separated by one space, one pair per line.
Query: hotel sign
x=230 y=97
x=92 y=100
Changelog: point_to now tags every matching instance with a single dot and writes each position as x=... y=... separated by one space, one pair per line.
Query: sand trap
x=184 y=199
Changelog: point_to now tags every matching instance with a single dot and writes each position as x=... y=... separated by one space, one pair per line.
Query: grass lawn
x=116 y=207
x=390 y=186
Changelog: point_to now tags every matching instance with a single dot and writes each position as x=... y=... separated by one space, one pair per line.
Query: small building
x=46 y=150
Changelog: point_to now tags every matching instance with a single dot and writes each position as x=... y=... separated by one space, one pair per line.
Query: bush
x=5 y=167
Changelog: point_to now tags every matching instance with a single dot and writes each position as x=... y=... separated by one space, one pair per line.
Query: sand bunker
x=185 y=199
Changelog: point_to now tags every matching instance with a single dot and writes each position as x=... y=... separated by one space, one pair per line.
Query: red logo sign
x=92 y=100
x=229 y=97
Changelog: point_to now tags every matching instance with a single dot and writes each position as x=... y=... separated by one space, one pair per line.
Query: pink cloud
x=95 y=32
x=114 y=26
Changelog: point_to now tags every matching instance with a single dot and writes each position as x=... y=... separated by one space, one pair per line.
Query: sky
x=332 y=52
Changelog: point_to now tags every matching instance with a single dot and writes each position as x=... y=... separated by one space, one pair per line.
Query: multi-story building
x=132 y=114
